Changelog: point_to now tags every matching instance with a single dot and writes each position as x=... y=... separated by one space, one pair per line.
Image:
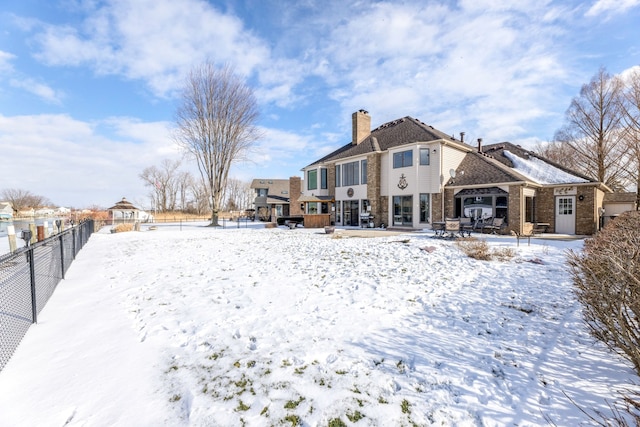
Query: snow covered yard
x=234 y=327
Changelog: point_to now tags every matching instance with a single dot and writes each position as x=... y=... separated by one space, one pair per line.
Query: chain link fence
x=28 y=278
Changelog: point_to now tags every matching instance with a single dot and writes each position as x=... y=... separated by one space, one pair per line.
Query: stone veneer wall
x=331 y=185
x=379 y=204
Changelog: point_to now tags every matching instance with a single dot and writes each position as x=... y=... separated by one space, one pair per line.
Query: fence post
x=61 y=238
x=34 y=235
x=11 y=235
x=73 y=240
x=32 y=270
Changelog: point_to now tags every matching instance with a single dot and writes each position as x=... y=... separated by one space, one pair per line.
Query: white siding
x=429 y=176
x=451 y=159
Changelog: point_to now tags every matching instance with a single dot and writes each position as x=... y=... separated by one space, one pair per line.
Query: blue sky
x=88 y=89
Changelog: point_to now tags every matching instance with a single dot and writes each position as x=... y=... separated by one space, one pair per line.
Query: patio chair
x=466 y=226
x=438 y=228
x=494 y=226
x=452 y=227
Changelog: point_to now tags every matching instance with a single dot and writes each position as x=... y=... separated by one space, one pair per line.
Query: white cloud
x=629 y=72
x=487 y=63
x=611 y=7
x=70 y=162
x=5 y=62
x=39 y=89
x=153 y=40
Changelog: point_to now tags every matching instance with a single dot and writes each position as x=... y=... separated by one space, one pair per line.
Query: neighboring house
x=44 y=212
x=273 y=198
x=62 y=211
x=406 y=173
x=616 y=203
x=6 y=211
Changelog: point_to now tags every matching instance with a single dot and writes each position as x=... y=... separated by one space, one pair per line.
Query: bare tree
x=184 y=183
x=216 y=124
x=558 y=152
x=200 y=203
x=23 y=199
x=164 y=183
x=239 y=194
x=631 y=117
x=594 y=130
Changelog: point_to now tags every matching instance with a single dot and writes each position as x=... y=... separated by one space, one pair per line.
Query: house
x=408 y=174
x=273 y=198
x=616 y=203
x=6 y=211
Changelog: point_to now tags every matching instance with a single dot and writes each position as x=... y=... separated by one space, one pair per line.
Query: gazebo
x=124 y=212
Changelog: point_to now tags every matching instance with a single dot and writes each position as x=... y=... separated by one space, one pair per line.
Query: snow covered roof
x=540 y=171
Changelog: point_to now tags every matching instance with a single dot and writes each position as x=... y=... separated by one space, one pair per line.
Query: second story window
x=338 y=181
x=262 y=192
x=363 y=172
x=403 y=159
x=323 y=179
x=350 y=174
x=312 y=179
x=424 y=156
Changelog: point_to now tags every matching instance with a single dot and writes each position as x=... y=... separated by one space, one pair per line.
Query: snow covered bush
x=121 y=228
x=606 y=275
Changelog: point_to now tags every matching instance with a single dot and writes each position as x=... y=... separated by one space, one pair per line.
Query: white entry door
x=566 y=215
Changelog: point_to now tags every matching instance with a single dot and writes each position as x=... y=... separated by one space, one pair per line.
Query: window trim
x=315 y=179
x=427 y=150
x=363 y=171
x=403 y=159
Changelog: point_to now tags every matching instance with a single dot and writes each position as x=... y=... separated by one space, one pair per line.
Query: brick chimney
x=361 y=125
x=295 y=191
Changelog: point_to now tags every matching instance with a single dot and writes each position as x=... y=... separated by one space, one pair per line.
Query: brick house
x=272 y=198
x=407 y=174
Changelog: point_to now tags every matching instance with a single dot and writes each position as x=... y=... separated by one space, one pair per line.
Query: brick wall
x=516 y=209
x=295 y=191
x=586 y=211
x=545 y=210
x=436 y=207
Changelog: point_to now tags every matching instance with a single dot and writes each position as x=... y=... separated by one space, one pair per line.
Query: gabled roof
x=389 y=135
x=274 y=186
x=497 y=151
x=477 y=168
x=507 y=163
x=123 y=204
